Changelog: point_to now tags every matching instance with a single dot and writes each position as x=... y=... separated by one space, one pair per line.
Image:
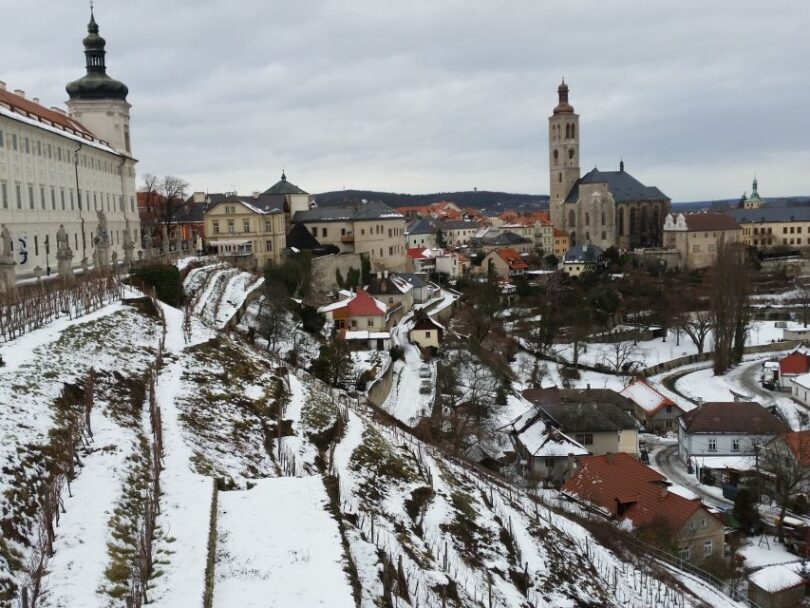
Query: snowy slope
x=273 y=539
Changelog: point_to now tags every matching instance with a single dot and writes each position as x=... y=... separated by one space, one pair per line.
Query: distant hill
x=479 y=199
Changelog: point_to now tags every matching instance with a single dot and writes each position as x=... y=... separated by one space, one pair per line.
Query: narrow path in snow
x=77 y=567
x=406 y=402
x=186 y=500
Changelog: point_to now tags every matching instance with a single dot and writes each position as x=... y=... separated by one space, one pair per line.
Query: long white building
x=62 y=168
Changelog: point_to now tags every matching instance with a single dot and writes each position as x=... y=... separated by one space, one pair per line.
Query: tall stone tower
x=563 y=155
x=98 y=101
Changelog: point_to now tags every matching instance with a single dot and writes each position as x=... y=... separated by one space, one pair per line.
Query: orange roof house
x=626 y=489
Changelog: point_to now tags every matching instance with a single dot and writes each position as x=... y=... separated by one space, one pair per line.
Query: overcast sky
x=440 y=95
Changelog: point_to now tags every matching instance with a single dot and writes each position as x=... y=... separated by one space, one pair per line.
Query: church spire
x=563 y=107
x=96 y=84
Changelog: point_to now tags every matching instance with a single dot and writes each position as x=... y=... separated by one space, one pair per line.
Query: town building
x=752 y=201
x=597 y=419
x=362 y=227
x=455 y=233
x=561 y=243
x=624 y=489
x=698 y=236
x=771 y=226
x=360 y=319
x=543 y=451
x=249 y=231
x=449 y=264
x=603 y=208
x=421 y=233
x=423 y=289
x=582 y=258
x=657 y=412
x=72 y=169
x=778 y=585
x=426 y=333
x=393 y=291
x=792 y=366
x=492 y=239
x=722 y=436
x=505 y=263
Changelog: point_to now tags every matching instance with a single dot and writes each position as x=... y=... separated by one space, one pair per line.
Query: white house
x=723 y=435
x=800 y=389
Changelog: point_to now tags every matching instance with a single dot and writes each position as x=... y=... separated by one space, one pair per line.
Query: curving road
x=665 y=458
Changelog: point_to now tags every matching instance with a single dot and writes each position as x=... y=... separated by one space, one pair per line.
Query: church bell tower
x=563 y=150
x=98 y=101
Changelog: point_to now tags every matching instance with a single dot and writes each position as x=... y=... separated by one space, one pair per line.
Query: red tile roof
x=364 y=305
x=560 y=233
x=705 y=222
x=795 y=363
x=799 y=443
x=30 y=109
x=615 y=480
x=416 y=253
x=512 y=258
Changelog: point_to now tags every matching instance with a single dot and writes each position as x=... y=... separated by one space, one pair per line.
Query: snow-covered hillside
x=297 y=492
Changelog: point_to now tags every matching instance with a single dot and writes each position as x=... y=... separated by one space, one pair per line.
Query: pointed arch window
x=587 y=219
x=556 y=155
x=573 y=131
x=603 y=219
x=572 y=218
x=621 y=221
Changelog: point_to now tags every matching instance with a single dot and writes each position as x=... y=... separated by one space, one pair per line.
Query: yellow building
x=768 y=227
x=247 y=230
x=698 y=236
x=360 y=227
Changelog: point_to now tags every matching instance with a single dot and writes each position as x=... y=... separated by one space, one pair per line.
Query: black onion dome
x=96 y=84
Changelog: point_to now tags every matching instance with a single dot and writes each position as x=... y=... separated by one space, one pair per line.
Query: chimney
x=571 y=464
x=588 y=388
x=379 y=274
x=256 y=194
x=664 y=491
x=2 y=86
x=36 y=100
x=20 y=93
x=699 y=402
x=198 y=197
x=385 y=274
x=609 y=457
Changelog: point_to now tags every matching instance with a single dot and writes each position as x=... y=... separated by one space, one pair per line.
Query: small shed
x=779 y=586
x=427 y=333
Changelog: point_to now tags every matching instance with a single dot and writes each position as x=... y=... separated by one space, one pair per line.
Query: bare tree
x=802 y=286
x=163 y=199
x=696 y=325
x=729 y=304
x=274 y=319
x=787 y=458
x=621 y=356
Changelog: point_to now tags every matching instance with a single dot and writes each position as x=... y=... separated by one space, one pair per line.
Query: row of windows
x=711 y=247
x=42 y=149
x=735 y=445
x=48 y=198
x=231 y=226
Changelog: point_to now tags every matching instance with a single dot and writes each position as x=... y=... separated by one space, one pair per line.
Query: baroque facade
x=602 y=208
x=67 y=179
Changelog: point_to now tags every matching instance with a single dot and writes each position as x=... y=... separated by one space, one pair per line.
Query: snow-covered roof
x=645 y=396
x=683 y=492
x=541 y=440
x=734 y=463
x=803 y=380
x=776 y=578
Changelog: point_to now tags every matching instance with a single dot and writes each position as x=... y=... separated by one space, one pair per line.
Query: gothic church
x=603 y=208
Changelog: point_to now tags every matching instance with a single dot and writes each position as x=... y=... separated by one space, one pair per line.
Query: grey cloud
x=443 y=94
